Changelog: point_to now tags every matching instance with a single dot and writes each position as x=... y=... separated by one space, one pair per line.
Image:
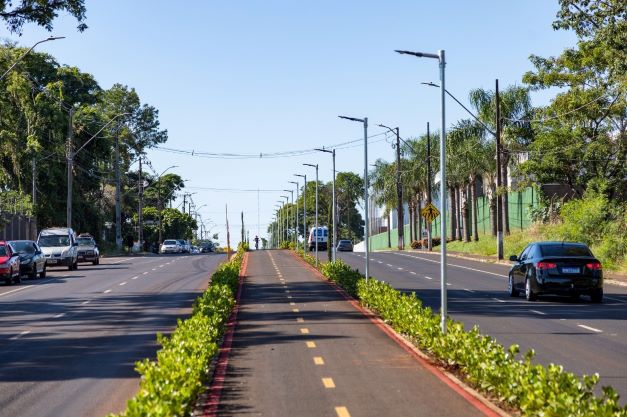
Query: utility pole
x=304 y=210
x=184 y=200
x=34 y=183
x=70 y=166
x=429 y=237
x=139 y=213
x=118 y=205
x=499 y=179
x=399 y=195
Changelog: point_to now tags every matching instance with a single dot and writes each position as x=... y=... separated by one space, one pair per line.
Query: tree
x=41 y=13
x=383 y=183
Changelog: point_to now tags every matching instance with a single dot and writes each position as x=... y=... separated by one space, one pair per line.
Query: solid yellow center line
x=318 y=360
x=342 y=412
x=328 y=382
x=304 y=330
x=311 y=345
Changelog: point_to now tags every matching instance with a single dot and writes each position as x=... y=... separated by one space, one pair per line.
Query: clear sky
x=272 y=76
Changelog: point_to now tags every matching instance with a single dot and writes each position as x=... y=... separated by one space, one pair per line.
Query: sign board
x=430 y=212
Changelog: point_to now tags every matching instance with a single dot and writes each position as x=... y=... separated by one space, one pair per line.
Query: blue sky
x=272 y=76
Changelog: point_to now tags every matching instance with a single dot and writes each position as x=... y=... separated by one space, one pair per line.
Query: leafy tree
x=17 y=13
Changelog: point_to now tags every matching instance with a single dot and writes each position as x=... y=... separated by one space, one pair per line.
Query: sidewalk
x=301 y=349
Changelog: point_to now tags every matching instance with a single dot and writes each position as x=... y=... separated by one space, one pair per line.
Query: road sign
x=430 y=212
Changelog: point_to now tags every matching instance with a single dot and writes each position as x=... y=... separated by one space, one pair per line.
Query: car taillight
x=594 y=266
x=546 y=265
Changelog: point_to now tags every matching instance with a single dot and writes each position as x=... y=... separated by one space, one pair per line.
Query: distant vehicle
x=207 y=247
x=322 y=236
x=184 y=245
x=32 y=259
x=59 y=246
x=561 y=268
x=345 y=246
x=87 y=249
x=9 y=264
x=194 y=249
x=170 y=246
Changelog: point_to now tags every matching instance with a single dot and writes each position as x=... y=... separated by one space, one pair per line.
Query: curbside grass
x=499 y=373
x=170 y=384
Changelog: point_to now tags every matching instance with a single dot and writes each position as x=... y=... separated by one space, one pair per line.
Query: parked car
x=322 y=236
x=184 y=245
x=32 y=259
x=207 y=247
x=170 y=246
x=87 y=249
x=194 y=249
x=556 y=268
x=345 y=246
x=59 y=246
x=9 y=264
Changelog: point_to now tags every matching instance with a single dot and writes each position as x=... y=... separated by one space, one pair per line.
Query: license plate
x=570 y=270
x=52 y=261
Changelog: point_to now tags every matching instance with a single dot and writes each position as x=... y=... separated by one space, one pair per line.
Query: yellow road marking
x=304 y=330
x=311 y=345
x=300 y=320
x=289 y=296
x=328 y=382
x=318 y=360
x=342 y=412
x=292 y=304
x=295 y=310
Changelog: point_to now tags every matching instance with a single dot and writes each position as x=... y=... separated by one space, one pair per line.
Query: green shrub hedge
x=535 y=390
x=170 y=384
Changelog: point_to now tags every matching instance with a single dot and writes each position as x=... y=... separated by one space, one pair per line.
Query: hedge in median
x=170 y=385
x=535 y=390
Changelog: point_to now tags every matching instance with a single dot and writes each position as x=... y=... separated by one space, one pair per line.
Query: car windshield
x=169 y=242
x=54 y=240
x=85 y=241
x=3 y=251
x=565 y=250
x=23 y=247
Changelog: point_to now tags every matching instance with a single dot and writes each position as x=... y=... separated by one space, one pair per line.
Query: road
x=300 y=349
x=68 y=343
x=583 y=337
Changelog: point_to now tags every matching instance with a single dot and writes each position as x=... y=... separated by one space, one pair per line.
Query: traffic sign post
x=430 y=212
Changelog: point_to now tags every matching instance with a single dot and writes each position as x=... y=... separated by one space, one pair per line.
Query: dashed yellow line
x=311 y=345
x=295 y=310
x=300 y=320
x=292 y=304
x=342 y=412
x=318 y=360
x=304 y=330
x=328 y=382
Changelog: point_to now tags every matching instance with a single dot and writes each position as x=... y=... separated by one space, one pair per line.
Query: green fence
x=520 y=204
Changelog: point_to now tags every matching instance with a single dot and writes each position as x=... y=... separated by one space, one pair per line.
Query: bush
x=424 y=243
x=342 y=274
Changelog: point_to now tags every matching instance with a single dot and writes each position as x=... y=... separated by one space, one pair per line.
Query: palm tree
x=383 y=182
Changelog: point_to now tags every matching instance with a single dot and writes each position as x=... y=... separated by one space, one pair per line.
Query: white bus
x=322 y=236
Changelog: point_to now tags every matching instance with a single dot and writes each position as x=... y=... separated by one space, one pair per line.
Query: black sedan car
x=344 y=246
x=32 y=260
x=561 y=268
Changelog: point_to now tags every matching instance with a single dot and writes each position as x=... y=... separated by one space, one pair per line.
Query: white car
x=170 y=246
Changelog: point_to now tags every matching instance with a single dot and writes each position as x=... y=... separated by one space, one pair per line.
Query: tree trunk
x=416 y=216
x=458 y=229
x=504 y=162
x=410 y=205
x=466 y=213
x=389 y=228
x=419 y=231
x=493 y=213
x=473 y=197
x=453 y=209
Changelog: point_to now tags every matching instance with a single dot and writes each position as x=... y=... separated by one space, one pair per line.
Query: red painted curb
x=455 y=385
x=217 y=383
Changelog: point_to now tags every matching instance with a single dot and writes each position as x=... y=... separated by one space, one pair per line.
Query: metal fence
x=17 y=227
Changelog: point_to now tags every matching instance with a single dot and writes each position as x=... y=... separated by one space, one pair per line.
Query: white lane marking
x=135 y=277
x=122 y=283
x=538 y=312
x=85 y=302
x=499 y=300
x=392 y=266
x=117 y=262
x=20 y=289
x=469 y=290
x=161 y=266
x=412 y=272
x=428 y=277
x=399 y=268
x=145 y=273
x=154 y=269
x=448 y=284
x=614 y=299
x=107 y=291
x=58 y=316
x=380 y=262
x=459 y=266
x=17 y=336
x=592 y=329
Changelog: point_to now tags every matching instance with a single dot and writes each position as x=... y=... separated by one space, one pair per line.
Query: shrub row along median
x=170 y=384
x=534 y=390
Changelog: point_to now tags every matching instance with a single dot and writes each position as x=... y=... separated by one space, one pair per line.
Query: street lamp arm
x=51 y=38
x=418 y=54
x=100 y=130
x=323 y=150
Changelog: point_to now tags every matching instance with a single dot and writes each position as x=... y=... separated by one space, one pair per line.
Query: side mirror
x=513 y=258
x=75 y=244
x=38 y=252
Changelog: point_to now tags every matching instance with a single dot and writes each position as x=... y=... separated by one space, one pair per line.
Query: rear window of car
x=169 y=242
x=3 y=251
x=85 y=241
x=345 y=242
x=565 y=250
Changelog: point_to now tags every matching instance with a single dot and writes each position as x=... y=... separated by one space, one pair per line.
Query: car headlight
x=27 y=261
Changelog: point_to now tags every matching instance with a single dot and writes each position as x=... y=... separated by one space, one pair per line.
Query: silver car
x=170 y=246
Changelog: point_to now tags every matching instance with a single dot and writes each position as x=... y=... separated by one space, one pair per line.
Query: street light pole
x=296 y=222
x=316 y=231
x=367 y=228
x=287 y=218
x=440 y=56
x=333 y=202
x=51 y=38
x=399 y=190
x=304 y=209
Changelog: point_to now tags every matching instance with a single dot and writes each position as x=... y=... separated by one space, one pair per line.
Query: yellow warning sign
x=430 y=212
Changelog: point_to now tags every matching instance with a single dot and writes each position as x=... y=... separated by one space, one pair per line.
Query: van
x=322 y=236
x=59 y=246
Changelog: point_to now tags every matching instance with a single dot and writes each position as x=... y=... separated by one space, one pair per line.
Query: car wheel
x=529 y=294
x=597 y=296
x=33 y=272
x=18 y=277
x=42 y=274
x=76 y=265
x=70 y=267
x=96 y=262
x=511 y=290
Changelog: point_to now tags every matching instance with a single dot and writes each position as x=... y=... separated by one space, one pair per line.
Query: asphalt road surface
x=583 y=337
x=68 y=343
x=300 y=349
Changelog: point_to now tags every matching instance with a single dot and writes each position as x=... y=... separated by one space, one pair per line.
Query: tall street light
x=287 y=217
x=367 y=228
x=399 y=189
x=316 y=231
x=440 y=56
x=70 y=161
x=304 y=209
x=159 y=196
x=51 y=38
x=296 y=218
x=279 y=219
x=334 y=211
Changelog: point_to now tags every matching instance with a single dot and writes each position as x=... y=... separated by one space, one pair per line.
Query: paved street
x=581 y=336
x=68 y=343
x=300 y=349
